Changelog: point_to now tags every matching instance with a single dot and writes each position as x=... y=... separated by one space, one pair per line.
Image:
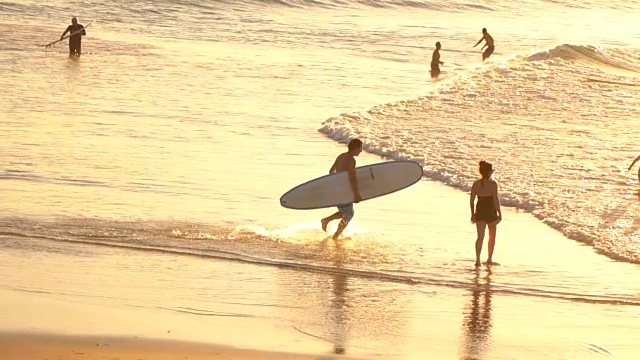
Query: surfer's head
x=355 y=146
x=438 y=46
x=486 y=169
x=74 y=21
x=484 y=30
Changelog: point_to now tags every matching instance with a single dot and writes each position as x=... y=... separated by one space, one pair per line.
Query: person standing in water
x=487 y=212
x=489 y=44
x=76 y=32
x=633 y=163
x=345 y=162
x=435 y=61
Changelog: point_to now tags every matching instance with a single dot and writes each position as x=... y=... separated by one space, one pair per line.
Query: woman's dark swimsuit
x=485 y=211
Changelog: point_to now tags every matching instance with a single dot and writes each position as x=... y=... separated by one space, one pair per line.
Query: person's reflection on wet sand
x=477 y=320
x=339 y=302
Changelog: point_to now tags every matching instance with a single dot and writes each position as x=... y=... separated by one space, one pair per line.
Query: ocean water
x=183 y=122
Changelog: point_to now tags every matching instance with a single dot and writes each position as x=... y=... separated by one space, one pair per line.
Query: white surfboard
x=334 y=189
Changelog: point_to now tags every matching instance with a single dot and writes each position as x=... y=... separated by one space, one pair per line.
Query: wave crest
x=623 y=59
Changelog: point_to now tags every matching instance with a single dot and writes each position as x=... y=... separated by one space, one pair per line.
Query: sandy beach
x=36 y=347
x=139 y=182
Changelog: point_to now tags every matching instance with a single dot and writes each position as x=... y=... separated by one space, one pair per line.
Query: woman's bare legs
x=493 y=227
x=480 y=226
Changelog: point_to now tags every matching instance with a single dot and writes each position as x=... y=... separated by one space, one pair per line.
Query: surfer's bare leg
x=480 y=226
x=487 y=53
x=346 y=213
x=328 y=219
x=75 y=47
x=492 y=240
x=343 y=224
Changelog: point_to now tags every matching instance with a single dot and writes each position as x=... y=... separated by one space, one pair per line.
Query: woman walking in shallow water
x=486 y=212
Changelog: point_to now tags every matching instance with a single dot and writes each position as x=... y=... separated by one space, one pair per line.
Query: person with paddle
x=76 y=31
x=345 y=162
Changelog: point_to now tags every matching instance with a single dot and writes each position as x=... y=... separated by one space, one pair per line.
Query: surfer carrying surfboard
x=487 y=211
x=345 y=162
x=76 y=32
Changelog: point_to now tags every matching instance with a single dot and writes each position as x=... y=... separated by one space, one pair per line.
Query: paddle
x=68 y=36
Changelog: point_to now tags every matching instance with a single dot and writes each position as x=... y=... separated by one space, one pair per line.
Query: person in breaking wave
x=345 y=162
x=76 y=32
x=487 y=212
x=489 y=44
x=435 y=61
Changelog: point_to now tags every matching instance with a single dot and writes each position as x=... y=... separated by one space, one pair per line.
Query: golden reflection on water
x=339 y=288
x=348 y=313
x=477 y=320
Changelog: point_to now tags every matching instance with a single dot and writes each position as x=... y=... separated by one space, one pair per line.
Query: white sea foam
x=561 y=144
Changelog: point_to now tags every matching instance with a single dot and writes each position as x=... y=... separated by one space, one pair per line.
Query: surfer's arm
x=633 y=163
x=83 y=32
x=333 y=167
x=68 y=29
x=353 y=180
x=479 y=41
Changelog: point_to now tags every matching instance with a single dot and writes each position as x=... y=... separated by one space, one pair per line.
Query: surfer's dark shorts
x=346 y=211
x=489 y=51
